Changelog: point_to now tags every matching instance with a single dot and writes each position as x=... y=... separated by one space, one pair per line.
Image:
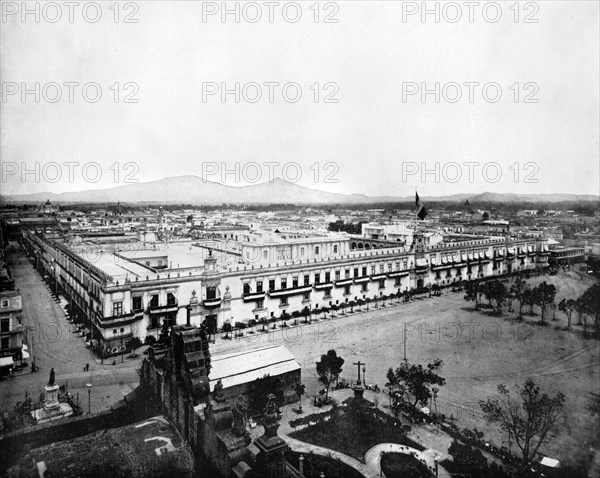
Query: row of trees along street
x=499 y=295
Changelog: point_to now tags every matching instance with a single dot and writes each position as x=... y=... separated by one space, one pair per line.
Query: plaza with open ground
x=479 y=350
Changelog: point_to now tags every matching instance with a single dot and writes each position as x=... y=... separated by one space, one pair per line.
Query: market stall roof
x=549 y=462
x=6 y=361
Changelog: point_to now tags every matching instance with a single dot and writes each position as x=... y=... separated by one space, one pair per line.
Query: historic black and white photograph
x=299 y=239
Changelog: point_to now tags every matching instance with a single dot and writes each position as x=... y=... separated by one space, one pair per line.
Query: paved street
x=55 y=345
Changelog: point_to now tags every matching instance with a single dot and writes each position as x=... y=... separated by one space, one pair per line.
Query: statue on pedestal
x=52 y=379
x=270 y=417
x=218 y=392
x=239 y=416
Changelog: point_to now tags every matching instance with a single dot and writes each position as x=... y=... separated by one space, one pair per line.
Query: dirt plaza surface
x=479 y=351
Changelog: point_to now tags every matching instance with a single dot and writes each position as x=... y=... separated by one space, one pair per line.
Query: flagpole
x=416 y=211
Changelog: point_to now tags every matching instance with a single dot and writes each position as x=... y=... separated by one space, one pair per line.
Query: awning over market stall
x=549 y=462
x=6 y=362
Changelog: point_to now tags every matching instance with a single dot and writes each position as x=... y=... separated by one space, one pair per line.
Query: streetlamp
x=301 y=465
x=89 y=387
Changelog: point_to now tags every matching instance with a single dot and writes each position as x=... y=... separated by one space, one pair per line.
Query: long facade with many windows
x=124 y=298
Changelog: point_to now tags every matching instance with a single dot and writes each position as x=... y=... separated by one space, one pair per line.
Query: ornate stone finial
x=217 y=394
x=270 y=417
x=52 y=378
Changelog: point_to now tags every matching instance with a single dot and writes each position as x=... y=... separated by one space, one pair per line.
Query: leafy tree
x=531 y=418
x=544 y=295
x=496 y=292
x=360 y=303
x=227 y=328
x=473 y=292
x=567 y=306
x=329 y=369
x=397 y=400
x=305 y=312
x=134 y=344
x=352 y=304
x=284 y=317
x=579 y=310
x=392 y=381
x=349 y=227
x=262 y=387
x=529 y=298
x=316 y=311
x=591 y=304
x=418 y=380
x=519 y=290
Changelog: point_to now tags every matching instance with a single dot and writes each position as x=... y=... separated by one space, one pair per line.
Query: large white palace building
x=122 y=289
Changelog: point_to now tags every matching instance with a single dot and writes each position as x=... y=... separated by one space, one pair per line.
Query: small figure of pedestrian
x=87 y=367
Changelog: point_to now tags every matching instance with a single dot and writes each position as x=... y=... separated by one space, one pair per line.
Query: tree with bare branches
x=531 y=418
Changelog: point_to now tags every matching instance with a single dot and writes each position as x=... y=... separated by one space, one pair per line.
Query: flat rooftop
x=126 y=262
x=245 y=367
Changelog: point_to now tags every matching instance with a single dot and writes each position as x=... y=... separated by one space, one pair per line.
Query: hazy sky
x=540 y=136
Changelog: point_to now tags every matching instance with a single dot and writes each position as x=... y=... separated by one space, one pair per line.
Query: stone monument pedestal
x=359 y=391
x=52 y=409
x=271 y=456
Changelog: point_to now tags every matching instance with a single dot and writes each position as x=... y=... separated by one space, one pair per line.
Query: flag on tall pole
x=421 y=211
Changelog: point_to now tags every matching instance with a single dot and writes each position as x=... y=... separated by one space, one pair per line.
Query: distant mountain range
x=197 y=191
